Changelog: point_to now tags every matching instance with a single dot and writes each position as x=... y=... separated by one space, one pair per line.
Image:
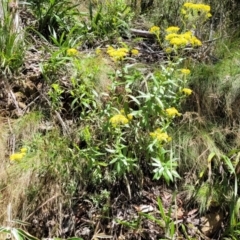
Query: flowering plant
x=19 y=155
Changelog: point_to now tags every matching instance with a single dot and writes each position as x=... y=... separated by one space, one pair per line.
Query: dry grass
x=15 y=177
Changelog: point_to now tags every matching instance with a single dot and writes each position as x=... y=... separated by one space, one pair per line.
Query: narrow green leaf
x=16 y=234
x=161 y=209
x=211 y=156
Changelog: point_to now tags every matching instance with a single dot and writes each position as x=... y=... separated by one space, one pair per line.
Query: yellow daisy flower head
x=23 y=150
x=130 y=116
x=187 y=91
x=172 y=112
x=203 y=7
x=134 y=52
x=209 y=15
x=155 y=30
x=119 y=119
x=195 y=41
x=183 y=11
x=185 y=71
x=160 y=136
x=172 y=29
x=117 y=54
x=123 y=50
x=188 y=5
x=178 y=41
x=171 y=35
x=187 y=35
x=122 y=111
x=72 y=52
x=197 y=9
x=17 y=156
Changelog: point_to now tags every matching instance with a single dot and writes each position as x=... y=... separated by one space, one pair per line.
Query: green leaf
x=229 y=164
x=110 y=150
x=5 y=229
x=25 y=234
x=211 y=156
x=134 y=99
x=103 y=164
x=16 y=234
x=161 y=209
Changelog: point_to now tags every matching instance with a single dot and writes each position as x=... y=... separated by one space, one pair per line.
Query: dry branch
x=141 y=33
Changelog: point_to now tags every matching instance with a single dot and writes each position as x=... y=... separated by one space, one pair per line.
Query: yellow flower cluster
x=198 y=8
x=18 y=156
x=134 y=52
x=187 y=91
x=160 y=135
x=72 y=52
x=120 y=119
x=117 y=54
x=172 y=112
x=185 y=71
x=183 y=39
x=172 y=29
x=155 y=30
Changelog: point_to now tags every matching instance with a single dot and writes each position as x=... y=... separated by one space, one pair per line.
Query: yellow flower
x=188 y=5
x=178 y=41
x=183 y=39
x=209 y=15
x=172 y=112
x=72 y=52
x=187 y=35
x=187 y=91
x=17 y=156
x=117 y=54
x=183 y=12
x=130 y=116
x=168 y=50
x=171 y=35
x=23 y=150
x=160 y=136
x=185 y=71
x=155 y=30
x=123 y=50
x=195 y=41
x=172 y=29
x=119 y=119
x=199 y=7
x=197 y=10
x=134 y=52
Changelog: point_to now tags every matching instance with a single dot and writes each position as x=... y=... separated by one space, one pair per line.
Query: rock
x=211 y=223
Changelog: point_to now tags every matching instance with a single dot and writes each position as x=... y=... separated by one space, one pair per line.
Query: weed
x=54 y=17
x=11 y=41
x=16 y=233
x=110 y=18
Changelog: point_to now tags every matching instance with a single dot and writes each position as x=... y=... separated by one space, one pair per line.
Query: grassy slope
x=34 y=188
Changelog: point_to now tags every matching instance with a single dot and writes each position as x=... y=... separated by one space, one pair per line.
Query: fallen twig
x=141 y=33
